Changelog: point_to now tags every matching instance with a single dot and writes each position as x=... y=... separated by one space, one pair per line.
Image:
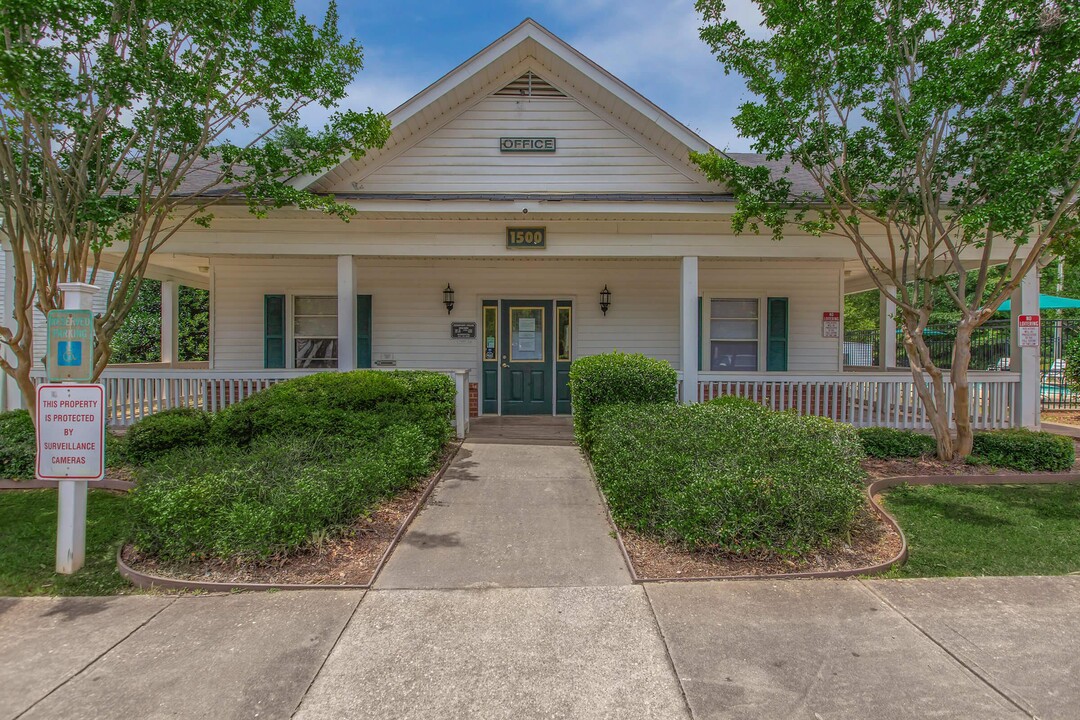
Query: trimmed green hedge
x=272 y=498
x=728 y=475
x=614 y=378
x=164 y=431
x=1023 y=450
x=292 y=464
x=18 y=444
x=359 y=404
x=889 y=443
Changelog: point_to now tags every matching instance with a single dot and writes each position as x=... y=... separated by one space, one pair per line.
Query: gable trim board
x=525 y=46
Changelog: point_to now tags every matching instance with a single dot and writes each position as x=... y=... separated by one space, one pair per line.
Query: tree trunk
x=961 y=392
x=933 y=396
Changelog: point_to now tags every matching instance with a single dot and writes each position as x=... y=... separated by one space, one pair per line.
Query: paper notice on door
x=527 y=341
x=526 y=324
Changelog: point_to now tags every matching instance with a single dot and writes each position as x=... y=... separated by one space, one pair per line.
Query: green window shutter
x=363 y=331
x=777 y=335
x=700 y=331
x=274 y=331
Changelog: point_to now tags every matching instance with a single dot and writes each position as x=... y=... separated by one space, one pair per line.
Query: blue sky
x=652 y=45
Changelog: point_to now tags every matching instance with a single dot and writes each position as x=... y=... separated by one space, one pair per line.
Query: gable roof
x=501 y=64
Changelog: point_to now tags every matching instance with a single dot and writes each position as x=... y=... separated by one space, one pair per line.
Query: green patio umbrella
x=1048 y=302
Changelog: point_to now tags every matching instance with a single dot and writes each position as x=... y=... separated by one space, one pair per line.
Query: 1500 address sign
x=534 y=238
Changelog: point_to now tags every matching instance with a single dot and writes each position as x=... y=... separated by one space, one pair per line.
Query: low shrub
x=889 y=443
x=164 y=431
x=359 y=404
x=728 y=475
x=614 y=378
x=1024 y=450
x=18 y=443
x=271 y=498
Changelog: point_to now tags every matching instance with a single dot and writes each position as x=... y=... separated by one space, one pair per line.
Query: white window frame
x=291 y=328
x=706 y=330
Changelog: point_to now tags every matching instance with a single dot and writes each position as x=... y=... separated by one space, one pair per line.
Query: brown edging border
x=872 y=489
x=146 y=581
x=106 y=484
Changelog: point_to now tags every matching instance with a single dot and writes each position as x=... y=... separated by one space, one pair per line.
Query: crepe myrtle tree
x=121 y=121
x=938 y=135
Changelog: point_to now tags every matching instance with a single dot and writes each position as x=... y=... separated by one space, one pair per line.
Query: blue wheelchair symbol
x=69 y=353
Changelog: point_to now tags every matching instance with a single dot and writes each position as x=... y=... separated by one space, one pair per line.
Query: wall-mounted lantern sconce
x=605 y=300
x=448 y=298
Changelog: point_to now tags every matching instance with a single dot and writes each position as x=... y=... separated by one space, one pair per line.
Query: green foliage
x=304 y=457
x=861 y=311
x=138 y=339
x=17 y=445
x=1023 y=450
x=124 y=121
x=28 y=544
x=1072 y=363
x=616 y=377
x=358 y=404
x=889 y=443
x=221 y=502
x=728 y=475
x=164 y=431
x=996 y=530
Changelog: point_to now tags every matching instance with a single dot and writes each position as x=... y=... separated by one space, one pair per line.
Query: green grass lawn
x=988 y=529
x=28 y=545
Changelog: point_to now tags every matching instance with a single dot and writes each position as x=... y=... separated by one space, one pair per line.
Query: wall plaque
x=534 y=238
x=463 y=330
x=527 y=144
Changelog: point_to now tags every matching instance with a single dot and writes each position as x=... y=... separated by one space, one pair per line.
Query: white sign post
x=71 y=444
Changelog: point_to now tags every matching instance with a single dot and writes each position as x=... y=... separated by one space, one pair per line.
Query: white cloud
x=653 y=46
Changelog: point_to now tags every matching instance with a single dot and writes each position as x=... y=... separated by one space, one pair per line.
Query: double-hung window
x=734 y=330
x=315 y=341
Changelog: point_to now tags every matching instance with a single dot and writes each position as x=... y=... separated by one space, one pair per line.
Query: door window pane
x=315 y=342
x=733 y=335
x=491 y=333
x=562 y=336
x=526 y=334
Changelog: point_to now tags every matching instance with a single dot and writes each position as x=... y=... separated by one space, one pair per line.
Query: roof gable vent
x=530 y=86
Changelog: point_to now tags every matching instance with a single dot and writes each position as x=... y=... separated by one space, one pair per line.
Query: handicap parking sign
x=69 y=353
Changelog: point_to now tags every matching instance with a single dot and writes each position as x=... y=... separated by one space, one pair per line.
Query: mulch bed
x=1062 y=417
x=349 y=558
x=872 y=542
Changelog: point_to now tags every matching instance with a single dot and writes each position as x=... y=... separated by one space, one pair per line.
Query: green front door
x=527 y=358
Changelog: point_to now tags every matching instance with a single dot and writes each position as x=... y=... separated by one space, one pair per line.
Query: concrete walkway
x=509 y=600
x=510 y=515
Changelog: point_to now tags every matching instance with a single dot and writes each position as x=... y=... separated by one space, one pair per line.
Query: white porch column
x=1025 y=360
x=688 y=332
x=10 y=397
x=346 y=312
x=170 y=322
x=887 y=329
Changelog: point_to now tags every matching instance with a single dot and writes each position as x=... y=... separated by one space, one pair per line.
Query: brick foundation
x=474 y=399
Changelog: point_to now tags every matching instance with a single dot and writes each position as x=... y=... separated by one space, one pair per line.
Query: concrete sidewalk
x=510 y=515
x=965 y=648
x=509 y=599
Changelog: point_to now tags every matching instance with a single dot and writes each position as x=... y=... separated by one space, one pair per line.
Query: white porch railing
x=132 y=392
x=864 y=399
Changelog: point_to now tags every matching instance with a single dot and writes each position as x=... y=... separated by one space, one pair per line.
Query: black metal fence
x=990 y=350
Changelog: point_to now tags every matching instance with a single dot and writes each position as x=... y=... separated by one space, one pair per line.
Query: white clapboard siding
x=411 y=324
x=593 y=154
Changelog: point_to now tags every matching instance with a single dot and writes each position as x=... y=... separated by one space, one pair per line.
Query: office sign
x=534 y=238
x=463 y=330
x=70 y=432
x=527 y=144
x=70 y=354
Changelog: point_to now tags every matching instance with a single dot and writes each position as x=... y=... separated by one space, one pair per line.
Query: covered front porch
x=509 y=329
